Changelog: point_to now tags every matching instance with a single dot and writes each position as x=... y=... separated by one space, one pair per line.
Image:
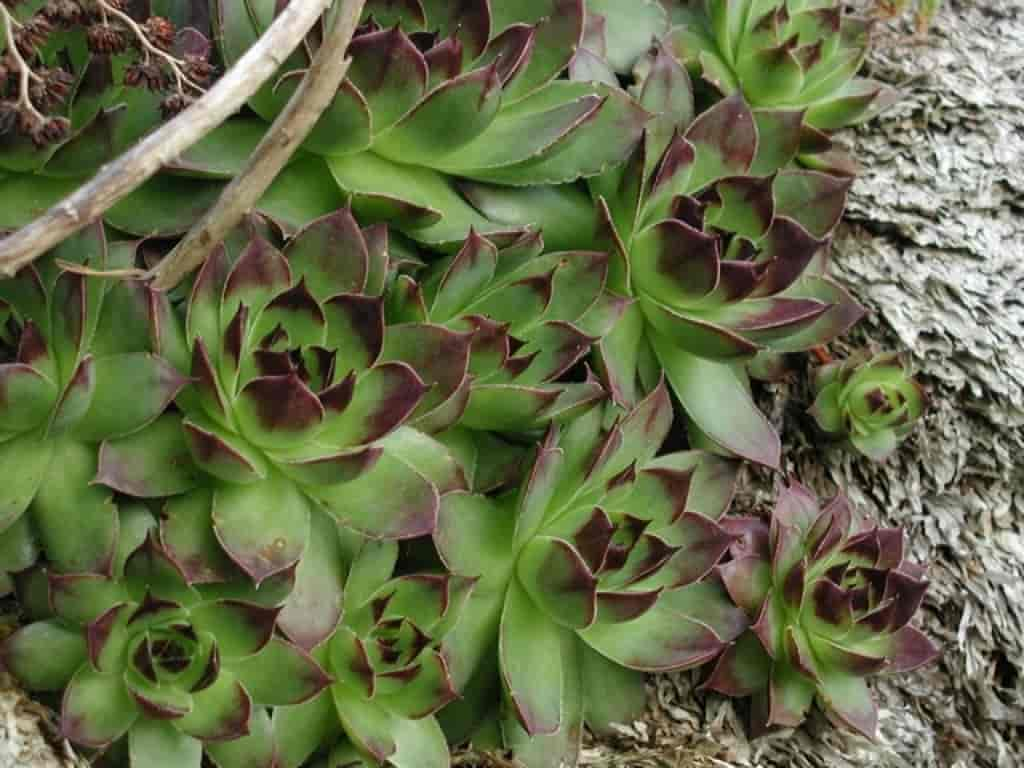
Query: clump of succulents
x=365 y=489
x=438 y=90
x=587 y=574
x=871 y=401
x=831 y=596
x=529 y=316
x=160 y=671
x=780 y=54
x=72 y=375
x=721 y=249
x=291 y=403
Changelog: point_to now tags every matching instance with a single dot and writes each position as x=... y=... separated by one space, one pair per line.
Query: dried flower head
x=160 y=32
x=173 y=104
x=106 y=38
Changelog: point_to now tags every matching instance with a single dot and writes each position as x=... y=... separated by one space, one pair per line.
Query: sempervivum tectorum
x=291 y=401
x=76 y=367
x=588 y=575
x=722 y=247
x=781 y=53
x=159 y=671
x=873 y=402
x=832 y=597
x=389 y=665
x=441 y=89
x=529 y=319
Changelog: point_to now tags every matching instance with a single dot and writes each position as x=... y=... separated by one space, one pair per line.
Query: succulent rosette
x=293 y=406
x=528 y=318
x=723 y=252
x=789 y=54
x=873 y=402
x=832 y=598
x=435 y=91
x=160 y=671
x=73 y=374
x=389 y=668
x=588 y=575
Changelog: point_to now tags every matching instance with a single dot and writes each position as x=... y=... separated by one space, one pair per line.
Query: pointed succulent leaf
x=43 y=656
x=255 y=750
x=314 y=606
x=150 y=463
x=702 y=386
x=262 y=526
x=221 y=712
x=559 y=581
x=407 y=511
x=815 y=200
x=331 y=255
x=161 y=745
x=187 y=536
x=742 y=670
x=130 y=392
x=531 y=663
x=281 y=674
x=384 y=398
x=97 y=708
x=725 y=140
x=90 y=545
x=449 y=116
x=224 y=456
x=355 y=328
x=278 y=411
x=659 y=640
x=613 y=694
x=472 y=534
x=390 y=72
x=27 y=459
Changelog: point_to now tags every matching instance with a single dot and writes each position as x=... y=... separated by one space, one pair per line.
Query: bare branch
x=314 y=94
x=120 y=177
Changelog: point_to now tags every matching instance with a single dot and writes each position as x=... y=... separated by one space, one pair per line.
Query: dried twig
x=314 y=94
x=120 y=177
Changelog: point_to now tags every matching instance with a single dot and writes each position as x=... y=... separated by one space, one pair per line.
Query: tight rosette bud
x=873 y=402
x=390 y=667
x=831 y=597
x=780 y=54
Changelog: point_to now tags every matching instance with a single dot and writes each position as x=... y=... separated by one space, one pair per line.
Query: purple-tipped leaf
x=262 y=526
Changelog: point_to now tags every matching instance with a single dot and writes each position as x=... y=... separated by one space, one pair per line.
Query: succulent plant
x=158 y=670
x=435 y=91
x=77 y=366
x=793 y=54
x=871 y=401
x=831 y=596
x=589 y=574
x=294 y=405
x=528 y=318
x=389 y=668
x=723 y=252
